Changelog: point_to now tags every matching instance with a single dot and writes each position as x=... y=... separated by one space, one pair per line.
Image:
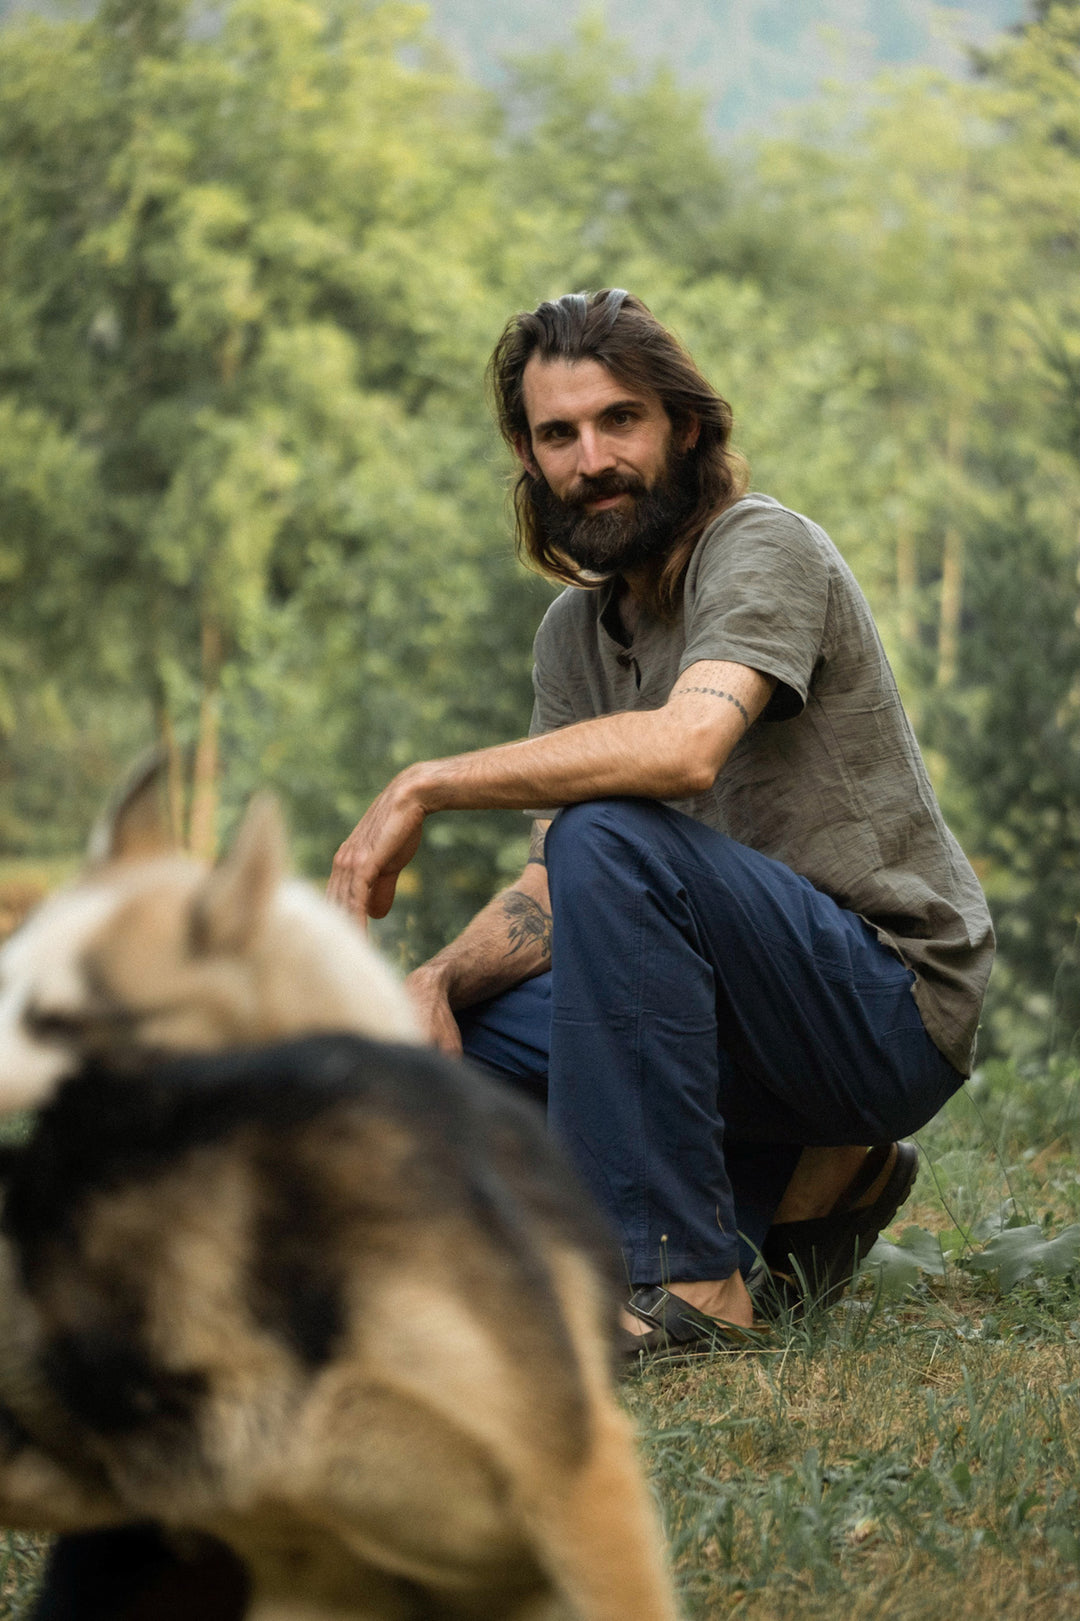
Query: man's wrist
x=423 y=784
x=433 y=978
x=433 y=972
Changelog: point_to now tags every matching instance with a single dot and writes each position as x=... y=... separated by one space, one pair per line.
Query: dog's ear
x=135 y=827
x=235 y=897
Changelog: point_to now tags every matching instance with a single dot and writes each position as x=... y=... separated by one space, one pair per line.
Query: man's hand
x=384 y=841
x=428 y=990
x=507 y=942
x=666 y=753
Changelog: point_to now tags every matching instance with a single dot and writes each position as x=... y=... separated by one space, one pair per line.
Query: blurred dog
x=330 y=1302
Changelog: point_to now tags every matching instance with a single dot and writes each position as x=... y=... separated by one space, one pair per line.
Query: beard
x=612 y=542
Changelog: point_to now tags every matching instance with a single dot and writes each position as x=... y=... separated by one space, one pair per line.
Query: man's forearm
x=506 y=942
x=667 y=753
x=632 y=753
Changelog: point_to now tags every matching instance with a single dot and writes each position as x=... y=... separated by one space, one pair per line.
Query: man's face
x=610 y=484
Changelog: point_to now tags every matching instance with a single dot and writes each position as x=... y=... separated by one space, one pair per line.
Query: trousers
x=707 y=1015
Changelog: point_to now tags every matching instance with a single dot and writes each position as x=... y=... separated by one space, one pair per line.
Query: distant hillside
x=751 y=58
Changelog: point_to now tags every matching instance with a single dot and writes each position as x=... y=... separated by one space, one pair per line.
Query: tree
x=250 y=272
x=1012 y=731
x=238 y=267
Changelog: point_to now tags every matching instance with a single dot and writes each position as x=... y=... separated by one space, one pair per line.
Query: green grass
x=21 y=1558
x=914 y=1458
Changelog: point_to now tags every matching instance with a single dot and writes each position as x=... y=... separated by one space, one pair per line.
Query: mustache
x=601 y=487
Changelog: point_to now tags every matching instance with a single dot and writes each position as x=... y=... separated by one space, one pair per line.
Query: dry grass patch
x=917 y=1458
x=917 y=1470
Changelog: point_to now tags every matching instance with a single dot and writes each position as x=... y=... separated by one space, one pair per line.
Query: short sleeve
x=552 y=707
x=758 y=595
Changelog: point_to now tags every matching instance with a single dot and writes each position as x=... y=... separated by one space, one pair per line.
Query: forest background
x=253 y=258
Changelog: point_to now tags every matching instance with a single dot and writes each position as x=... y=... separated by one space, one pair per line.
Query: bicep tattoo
x=717 y=692
x=528 y=923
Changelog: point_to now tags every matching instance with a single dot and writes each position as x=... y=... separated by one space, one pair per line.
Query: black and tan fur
x=333 y=1301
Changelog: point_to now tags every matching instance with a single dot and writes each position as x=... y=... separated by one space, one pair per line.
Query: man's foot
x=812 y=1261
x=822 y=1178
x=726 y=1301
x=670 y=1329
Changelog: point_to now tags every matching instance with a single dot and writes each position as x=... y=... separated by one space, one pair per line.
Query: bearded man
x=746 y=955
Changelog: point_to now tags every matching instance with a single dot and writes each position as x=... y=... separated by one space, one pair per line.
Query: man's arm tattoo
x=529 y=923
x=715 y=692
x=536 y=845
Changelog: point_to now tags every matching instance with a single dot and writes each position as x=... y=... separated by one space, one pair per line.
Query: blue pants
x=707 y=1015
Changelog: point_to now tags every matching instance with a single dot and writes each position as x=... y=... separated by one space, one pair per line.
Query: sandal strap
x=874 y=1162
x=680 y=1321
x=682 y=1324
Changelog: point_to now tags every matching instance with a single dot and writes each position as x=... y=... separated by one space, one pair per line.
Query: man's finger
x=339 y=889
x=380 y=896
x=344 y=889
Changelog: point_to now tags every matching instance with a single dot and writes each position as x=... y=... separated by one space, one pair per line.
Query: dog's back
x=336 y=1302
x=341 y=1303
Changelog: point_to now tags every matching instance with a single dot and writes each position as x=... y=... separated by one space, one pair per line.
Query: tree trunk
x=202 y=834
x=952 y=559
x=907 y=582
x=174 y=769
x=907 y=546
x=952 y=603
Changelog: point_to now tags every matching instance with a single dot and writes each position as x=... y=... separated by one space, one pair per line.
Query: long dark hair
x=622 y=334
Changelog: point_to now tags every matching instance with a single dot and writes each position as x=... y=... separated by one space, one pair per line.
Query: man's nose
x=595 y=454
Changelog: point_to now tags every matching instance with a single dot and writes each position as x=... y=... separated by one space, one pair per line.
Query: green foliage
x=998 y=1185
x=251 y=267
x=1021 y=1252
x=1010 y=1256
x=895 y=1268
x=242 y=469
x=610 y=171
x=1011 y=733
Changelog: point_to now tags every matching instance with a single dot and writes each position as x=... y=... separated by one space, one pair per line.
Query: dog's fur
x=334 y=1301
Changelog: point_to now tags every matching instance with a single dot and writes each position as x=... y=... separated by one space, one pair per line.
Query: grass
x=914 y=1458
x=20 y=1568
x=920 y=1462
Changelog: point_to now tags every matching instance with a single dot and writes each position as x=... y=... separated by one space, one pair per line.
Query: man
x=746 y=954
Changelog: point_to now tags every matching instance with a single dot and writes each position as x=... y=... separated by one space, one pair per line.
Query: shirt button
x=624 y=660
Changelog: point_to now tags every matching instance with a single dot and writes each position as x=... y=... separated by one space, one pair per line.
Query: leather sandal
x=678 y=1330
x=811 y=1263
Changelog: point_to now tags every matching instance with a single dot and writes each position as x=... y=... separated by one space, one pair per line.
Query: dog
x=324 y=1306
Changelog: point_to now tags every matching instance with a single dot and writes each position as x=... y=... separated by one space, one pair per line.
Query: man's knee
x=607 y=847
x=638 y=826
x=599 y=833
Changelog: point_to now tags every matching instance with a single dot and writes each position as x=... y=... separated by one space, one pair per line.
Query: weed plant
x=913 y=1454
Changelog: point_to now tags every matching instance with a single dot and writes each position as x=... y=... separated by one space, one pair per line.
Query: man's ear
x=523 y=452
x=690 y=434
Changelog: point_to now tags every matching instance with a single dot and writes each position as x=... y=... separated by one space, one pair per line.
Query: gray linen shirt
x=830 y=781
